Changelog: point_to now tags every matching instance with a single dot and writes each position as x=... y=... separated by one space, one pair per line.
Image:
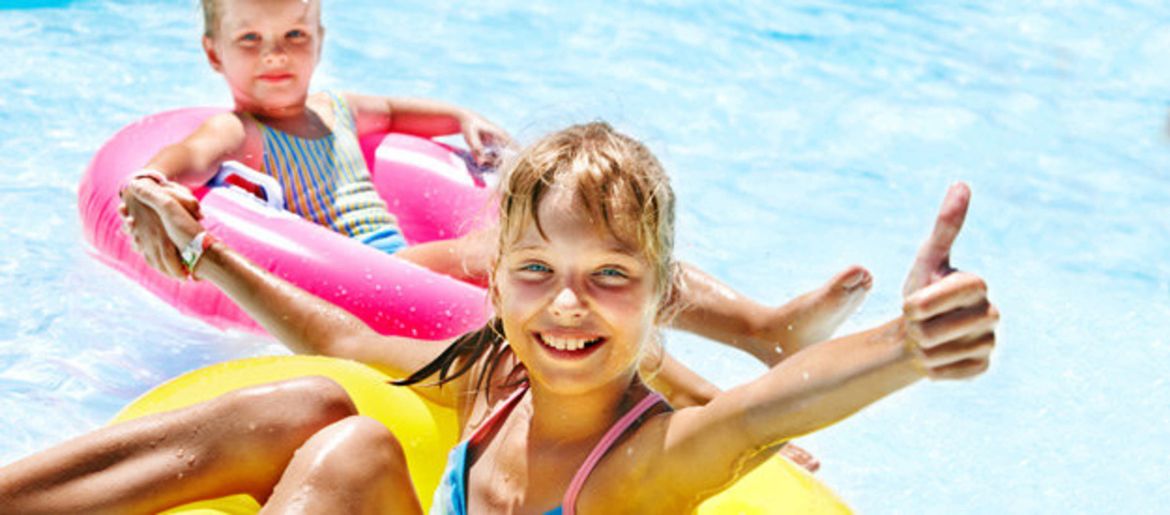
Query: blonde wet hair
x=614 y=177
x=213 y=11
x=624 y=190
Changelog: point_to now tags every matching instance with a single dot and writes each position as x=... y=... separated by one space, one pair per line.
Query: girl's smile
x=577 y=303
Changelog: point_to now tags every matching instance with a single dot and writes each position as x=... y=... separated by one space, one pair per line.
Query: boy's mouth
x=569 y=347
x=276 y=77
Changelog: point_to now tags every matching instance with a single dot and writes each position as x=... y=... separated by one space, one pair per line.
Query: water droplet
x=805 y=375
x=789 y=327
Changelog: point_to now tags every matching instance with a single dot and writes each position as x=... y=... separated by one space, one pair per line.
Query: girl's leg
x=239 y=442
x=714 y=310
x=353 y=466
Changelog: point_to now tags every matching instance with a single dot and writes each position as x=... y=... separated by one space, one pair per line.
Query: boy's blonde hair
x=211 y=15
x=212 y=12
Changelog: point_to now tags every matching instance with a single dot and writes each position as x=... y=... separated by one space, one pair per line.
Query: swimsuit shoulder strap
x=569 y=503
x=497 y=416
x=341 y=112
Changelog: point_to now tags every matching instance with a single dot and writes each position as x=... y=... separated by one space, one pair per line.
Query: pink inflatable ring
x=425 y=184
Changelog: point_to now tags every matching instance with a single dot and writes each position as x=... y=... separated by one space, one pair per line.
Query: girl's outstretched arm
x=946 y=331
x=303 y=322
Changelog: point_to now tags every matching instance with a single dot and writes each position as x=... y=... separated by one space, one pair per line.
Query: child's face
x=578 y=305
x=267 y=50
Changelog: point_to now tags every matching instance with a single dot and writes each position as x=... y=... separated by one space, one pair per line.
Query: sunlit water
x=801 y=138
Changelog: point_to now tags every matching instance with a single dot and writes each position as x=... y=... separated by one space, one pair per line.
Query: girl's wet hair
x=620 y=185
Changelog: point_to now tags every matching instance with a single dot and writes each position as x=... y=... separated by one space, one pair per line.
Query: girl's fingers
x=186 y=199
x=934 y=256
x=962 y=370
x=973 y=349
x=958 y=324
x=953 y=291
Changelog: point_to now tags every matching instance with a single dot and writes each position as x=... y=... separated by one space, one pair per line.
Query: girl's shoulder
x=478 y=398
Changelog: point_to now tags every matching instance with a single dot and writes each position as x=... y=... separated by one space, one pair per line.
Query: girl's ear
x=212 y=55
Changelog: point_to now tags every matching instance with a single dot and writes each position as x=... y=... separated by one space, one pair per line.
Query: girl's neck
x=564 y=419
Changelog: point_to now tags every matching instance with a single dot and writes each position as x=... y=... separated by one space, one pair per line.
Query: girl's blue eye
x=296 y=34
x=250 y=37
x=611 y=272
x=534 y=267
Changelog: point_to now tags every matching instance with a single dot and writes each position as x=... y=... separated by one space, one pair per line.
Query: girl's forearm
x=305 y=323
x=826 y=383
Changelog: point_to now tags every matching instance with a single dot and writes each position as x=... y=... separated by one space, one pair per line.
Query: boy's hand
x=484 y=139
x=948 y=320
x=151 y=235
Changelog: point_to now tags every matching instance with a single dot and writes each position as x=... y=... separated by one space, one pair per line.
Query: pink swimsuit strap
x=569 y=503
x=497 y=416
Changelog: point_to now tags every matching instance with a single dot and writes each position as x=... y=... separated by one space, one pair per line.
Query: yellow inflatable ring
x=428 y=431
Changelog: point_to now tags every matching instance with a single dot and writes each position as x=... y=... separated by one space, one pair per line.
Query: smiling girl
x=554 y=414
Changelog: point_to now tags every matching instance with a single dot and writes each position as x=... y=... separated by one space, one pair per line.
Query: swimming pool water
x=801 y=137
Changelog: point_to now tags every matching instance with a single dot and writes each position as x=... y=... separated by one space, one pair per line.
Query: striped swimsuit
x=325 y=180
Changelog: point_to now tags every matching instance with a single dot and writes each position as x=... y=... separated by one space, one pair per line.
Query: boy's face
x=267 y=50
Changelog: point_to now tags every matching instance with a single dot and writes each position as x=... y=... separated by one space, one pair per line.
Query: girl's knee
x=356 y=451
x=311 y=402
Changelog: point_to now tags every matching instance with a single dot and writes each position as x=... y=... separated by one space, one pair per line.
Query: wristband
x=194 y=249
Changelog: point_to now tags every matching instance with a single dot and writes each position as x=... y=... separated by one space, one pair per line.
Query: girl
x=267 y=52
x=554 y=413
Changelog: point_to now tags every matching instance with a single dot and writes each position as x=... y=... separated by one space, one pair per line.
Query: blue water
x=801 y=137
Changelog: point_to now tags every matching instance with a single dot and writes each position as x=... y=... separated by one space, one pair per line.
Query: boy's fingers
x=475 y=144
x=933 y=257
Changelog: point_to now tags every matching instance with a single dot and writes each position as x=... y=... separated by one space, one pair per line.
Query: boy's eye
x=534 y=267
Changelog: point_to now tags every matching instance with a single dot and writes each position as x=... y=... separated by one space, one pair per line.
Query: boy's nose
x=275 y=54
x=567 y=306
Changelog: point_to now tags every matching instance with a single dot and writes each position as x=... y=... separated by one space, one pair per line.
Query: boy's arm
x=195 y=160
x=946 y=331
x=303 y=322
x=426 y=118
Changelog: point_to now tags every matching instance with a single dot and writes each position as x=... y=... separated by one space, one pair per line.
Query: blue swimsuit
x=451 y=496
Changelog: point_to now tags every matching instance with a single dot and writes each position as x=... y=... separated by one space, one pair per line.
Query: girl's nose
x=567 y=306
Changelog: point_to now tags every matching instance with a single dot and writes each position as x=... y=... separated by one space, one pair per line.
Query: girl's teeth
x=565 y=343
